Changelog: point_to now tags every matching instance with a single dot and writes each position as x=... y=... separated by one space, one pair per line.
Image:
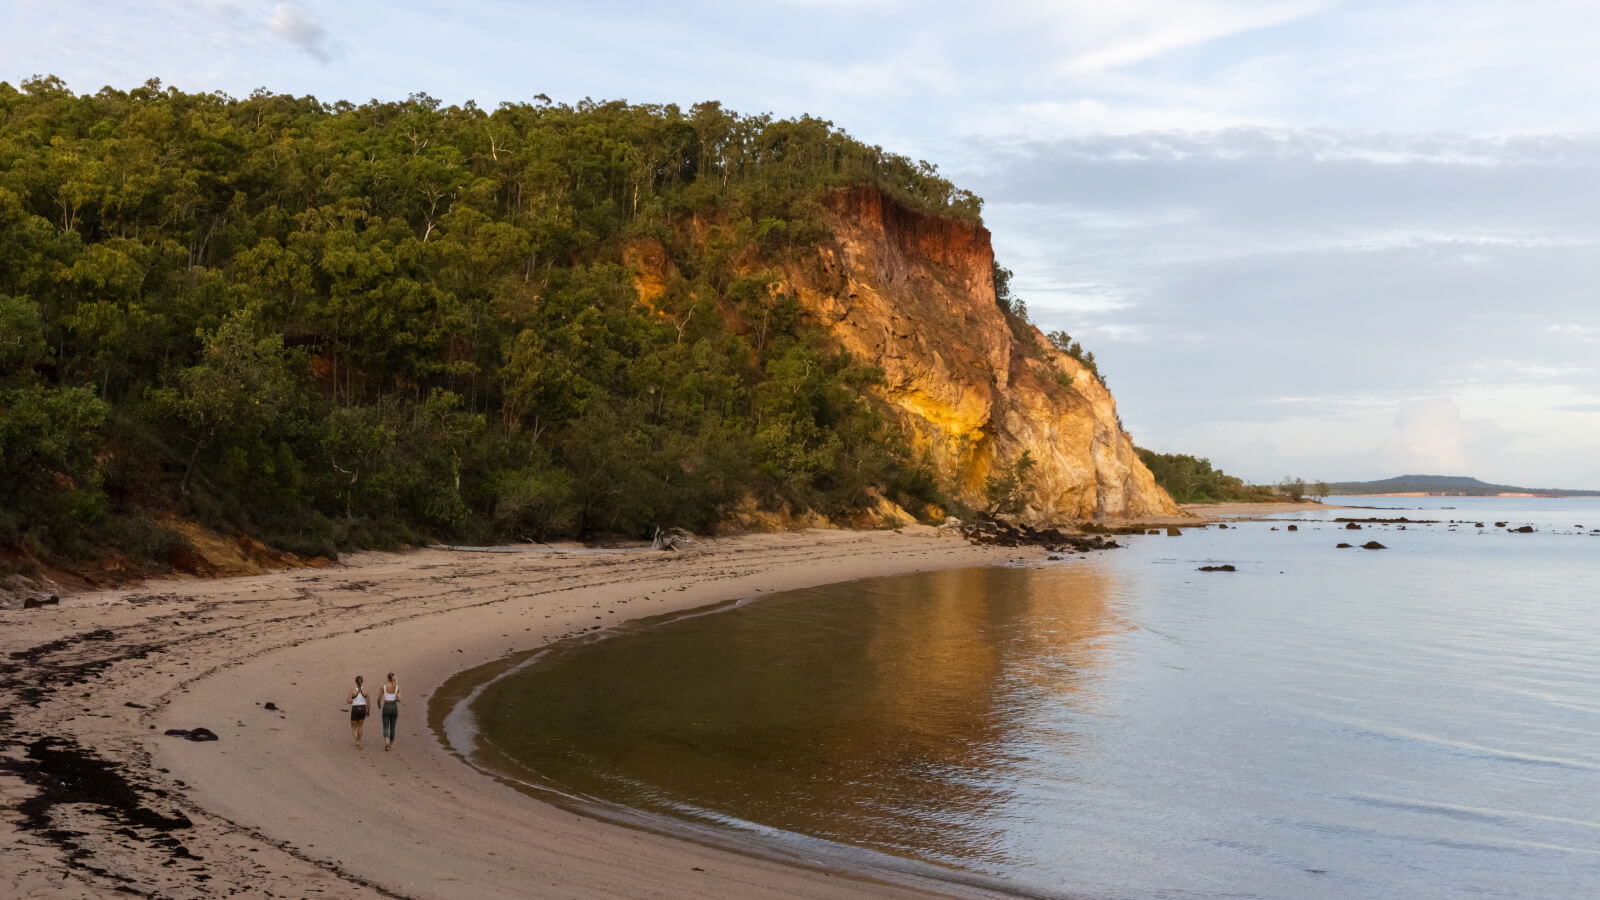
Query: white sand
x=283 y=804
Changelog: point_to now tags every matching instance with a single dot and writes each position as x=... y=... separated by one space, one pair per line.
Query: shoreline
x=1217 y=512
x=452 y=723
x=283 y=804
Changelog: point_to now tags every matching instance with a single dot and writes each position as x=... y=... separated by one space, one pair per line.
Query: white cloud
x=1429 y=439
x=1581 y=333
x=289 y=23
x=1136 y=32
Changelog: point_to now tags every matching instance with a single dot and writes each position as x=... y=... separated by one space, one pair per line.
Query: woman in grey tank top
x=391 y=709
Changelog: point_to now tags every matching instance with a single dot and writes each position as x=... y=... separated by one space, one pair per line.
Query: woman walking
x=358 y=710
x=391 y=710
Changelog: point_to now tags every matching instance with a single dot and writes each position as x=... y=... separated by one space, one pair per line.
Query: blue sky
x=1330 y=239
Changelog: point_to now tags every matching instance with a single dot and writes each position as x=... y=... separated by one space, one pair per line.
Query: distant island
x=1447 y=485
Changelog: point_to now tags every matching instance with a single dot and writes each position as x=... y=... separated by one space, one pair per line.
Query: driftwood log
x=669 y=539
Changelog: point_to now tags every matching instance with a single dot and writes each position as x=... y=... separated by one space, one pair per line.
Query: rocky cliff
x=914 y=295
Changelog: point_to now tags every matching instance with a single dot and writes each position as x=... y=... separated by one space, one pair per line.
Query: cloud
x=1428 y=439
x=1431 y=438
x=1147 y=33
x=290 y=24
x=1580 y=333
x=1316 y=276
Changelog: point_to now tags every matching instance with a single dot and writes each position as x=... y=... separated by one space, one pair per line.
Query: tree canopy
x=1190 y=479
x=332 y=325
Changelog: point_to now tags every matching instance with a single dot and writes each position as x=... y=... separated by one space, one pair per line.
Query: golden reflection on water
x=885 y=713
x=1246 y=738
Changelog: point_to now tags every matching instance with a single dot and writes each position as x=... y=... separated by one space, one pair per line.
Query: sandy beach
x=1215 y=511
x=100 y=800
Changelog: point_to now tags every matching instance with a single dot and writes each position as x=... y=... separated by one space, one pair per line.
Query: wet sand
x=101 y=800
x=1223 y=511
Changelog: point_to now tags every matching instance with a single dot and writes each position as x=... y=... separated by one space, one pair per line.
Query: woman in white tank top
x=358 y=710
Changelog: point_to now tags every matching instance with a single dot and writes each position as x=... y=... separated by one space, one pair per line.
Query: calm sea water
x=1421 y=721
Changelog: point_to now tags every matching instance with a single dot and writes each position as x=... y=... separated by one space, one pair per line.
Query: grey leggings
x=391 y=712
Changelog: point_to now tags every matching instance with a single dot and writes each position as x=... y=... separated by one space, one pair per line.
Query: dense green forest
x=330 y=325
x=1191 y=479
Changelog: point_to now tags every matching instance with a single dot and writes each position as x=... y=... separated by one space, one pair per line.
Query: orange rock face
x=914 y=295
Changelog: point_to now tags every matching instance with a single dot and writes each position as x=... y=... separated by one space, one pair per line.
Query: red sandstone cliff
x=914 y=295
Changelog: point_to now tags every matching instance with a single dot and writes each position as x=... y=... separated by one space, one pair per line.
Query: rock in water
x=1226 y=567
x=1373 y=545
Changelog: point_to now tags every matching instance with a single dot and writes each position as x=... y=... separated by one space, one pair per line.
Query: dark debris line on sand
x=64 y=774
x=70 y=779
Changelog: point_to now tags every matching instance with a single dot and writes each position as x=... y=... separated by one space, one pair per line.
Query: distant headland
x=1447 y=485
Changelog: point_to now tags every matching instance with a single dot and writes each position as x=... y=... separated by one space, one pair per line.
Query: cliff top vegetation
x=330 y=325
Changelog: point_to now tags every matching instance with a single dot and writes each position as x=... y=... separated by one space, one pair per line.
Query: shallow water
x=1413 y=722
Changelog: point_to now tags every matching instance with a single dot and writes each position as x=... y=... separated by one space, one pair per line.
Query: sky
x=1333 y=240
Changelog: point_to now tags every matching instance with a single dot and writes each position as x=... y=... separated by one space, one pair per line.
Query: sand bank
x=282 y=804
x=1223 y=511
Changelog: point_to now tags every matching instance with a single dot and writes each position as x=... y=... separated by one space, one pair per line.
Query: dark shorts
x=358 y=713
